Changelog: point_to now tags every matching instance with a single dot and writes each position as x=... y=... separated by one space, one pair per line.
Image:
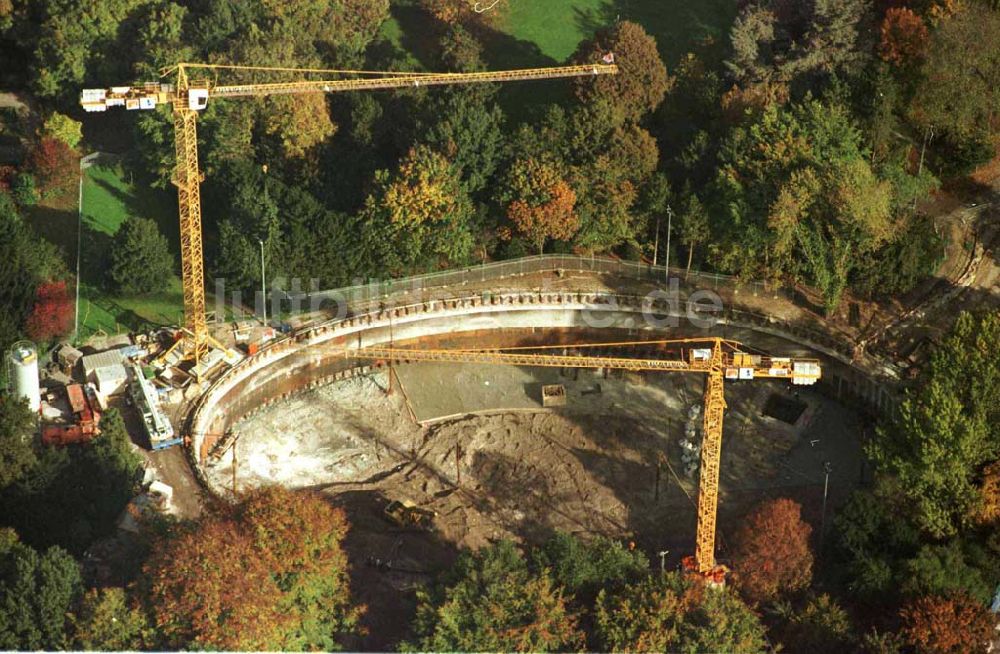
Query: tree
x=669 y=613
x=942 y=569
x=946 y=625
x=771 y=551
x=268 y=574
x=54 y=165
x=492 y=601
x=960 y=89
x=75 y=494
x=585 y=567
x=23 y=190
x=25 y=260
x=642 y=80
x=903 y=36
x=104 y=621
x=780 y=42
x=417 y=216
x=38 y=590
x=17 y=435
x=694 y=226
x=52 y=315
x=820 y=626
x=943 y=434
x=63 y=128
x=540 y=203
x=796 y=196
x=989 y=509
x=874 y=533
x=140 y=258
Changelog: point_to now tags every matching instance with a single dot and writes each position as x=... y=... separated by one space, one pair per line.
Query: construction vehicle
x=716 y=358
x=188 y=96
x=144 y=397
x=86 y=412
x=408 y=515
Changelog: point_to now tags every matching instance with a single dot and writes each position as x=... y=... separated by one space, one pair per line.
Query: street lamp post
x=666 y=268
x=263 y=283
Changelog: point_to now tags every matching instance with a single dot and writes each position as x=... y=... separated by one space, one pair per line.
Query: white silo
x=23 y=369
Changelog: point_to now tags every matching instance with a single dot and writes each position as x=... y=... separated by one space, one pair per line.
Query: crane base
x=715 y=577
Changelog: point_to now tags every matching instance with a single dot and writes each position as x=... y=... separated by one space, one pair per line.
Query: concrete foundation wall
x=315 y=355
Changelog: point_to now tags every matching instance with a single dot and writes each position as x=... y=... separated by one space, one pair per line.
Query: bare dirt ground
x=607 y=463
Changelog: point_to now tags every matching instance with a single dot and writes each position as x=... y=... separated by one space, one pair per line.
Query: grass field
x=109 y=196
x=532 y=33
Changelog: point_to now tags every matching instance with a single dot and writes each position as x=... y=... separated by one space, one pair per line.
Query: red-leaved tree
x=771 y=551
x=54 y=164
x=52 y=315
x=945 y=625
x=542 y=205
x=904 y=36
x=268 y=574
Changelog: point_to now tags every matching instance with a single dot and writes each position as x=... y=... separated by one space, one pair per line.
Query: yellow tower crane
x=716 y=358
x=188 y=96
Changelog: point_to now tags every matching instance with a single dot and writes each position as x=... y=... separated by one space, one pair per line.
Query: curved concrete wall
x=315 y=355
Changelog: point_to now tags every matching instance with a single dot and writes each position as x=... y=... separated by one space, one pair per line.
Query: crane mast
x=189 y=96
x=716 y=358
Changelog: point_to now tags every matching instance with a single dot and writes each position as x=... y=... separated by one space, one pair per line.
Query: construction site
x=550 y=393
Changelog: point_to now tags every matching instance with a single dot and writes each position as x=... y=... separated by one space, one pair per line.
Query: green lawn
x=109 y=196
x=535 y=33
x=556 y=26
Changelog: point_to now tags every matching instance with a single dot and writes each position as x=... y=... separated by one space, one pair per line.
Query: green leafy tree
x=798 y=197
x=268 y=574
x=63 y=128
x=873 y=534
x=820 y=626
x=75 y=494
x=37 y=592
x=673 y=614
x=467 y=126
x=23 y=190
x=17 y=435
x=585 y=567
x=642 y=80
x=960 y=88
x=941 y=569
x=140 y=258
x=695 y=228
x=945 y=432
x=25 y=261
x=418 y=216
x=76 y=43
x=104 y=621
x=492 y=601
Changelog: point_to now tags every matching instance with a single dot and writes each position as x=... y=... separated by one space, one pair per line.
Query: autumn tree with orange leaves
x=540 y=202
x=946 y=625
x=903 y=36
x=267 y=574
x=771 y=551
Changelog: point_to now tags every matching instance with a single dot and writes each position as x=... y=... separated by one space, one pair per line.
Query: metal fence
x=375 y=290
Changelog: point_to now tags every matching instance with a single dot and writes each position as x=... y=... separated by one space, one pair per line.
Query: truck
x=86 y=414
x=144 y=397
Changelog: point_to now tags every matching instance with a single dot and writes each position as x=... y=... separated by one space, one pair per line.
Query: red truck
x=86 y=414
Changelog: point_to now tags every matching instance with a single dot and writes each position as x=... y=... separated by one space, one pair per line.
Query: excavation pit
x=784 y=408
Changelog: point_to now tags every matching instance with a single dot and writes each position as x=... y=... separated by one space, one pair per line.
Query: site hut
x=106 y=371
